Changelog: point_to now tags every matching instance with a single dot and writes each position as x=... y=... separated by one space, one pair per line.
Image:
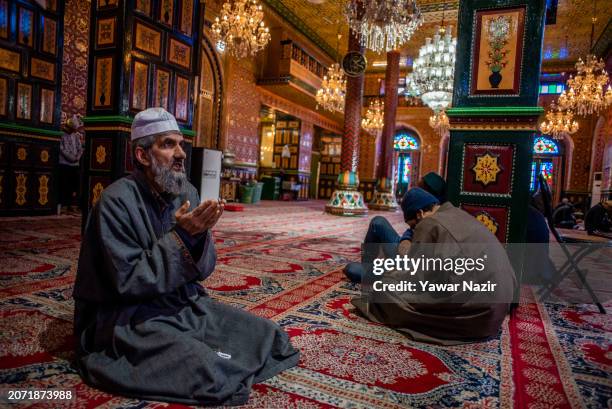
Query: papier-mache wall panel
x=143 y=56
x=30 y=97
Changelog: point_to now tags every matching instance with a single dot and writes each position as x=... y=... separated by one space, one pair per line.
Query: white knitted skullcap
x=153 y=121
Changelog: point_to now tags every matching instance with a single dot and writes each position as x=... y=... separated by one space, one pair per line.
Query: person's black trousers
x=68 y=184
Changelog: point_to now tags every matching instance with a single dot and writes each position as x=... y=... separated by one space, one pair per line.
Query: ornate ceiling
x=564 y=41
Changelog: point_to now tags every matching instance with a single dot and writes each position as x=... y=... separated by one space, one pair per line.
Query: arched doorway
x=210 y=99
x=406 y=160
x=548 y=160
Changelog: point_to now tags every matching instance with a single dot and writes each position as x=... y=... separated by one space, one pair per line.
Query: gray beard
x=168 y=180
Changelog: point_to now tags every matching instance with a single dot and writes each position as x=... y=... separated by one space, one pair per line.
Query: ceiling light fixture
x=383 y=25
x=374 y=118
x=585 y=92
x=241 y=28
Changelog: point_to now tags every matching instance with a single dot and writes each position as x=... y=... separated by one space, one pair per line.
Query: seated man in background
x=563 y=216
x=381 y=231
x=444 y=317
x=599 y=218
x=539 y=268
x=145 y=327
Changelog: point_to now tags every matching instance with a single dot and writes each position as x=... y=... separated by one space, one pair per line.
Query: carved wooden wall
x=143 y=54
x=30 y=96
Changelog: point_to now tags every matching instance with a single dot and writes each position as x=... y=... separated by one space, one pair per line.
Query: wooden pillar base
x=383 y=201
x=384 y=196
x=346 y=200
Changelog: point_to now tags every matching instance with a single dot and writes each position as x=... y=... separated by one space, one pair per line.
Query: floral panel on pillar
x=498 y=48
x=103 y=82
x=96 y=185
x=101 y=154
x=494 y=218
x=487 y=169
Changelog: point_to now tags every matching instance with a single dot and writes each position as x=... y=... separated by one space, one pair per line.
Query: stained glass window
x=405 y=142
x=404 y=169
x=551 y=88
x=546 y=169
x=543 y=145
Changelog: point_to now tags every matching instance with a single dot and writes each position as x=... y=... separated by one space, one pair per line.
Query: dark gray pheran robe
x=145 y=327
x=447 y=317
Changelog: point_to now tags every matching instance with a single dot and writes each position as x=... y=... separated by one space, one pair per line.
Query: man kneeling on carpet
x=380 y=231
x=442 y=316
x=145 y=327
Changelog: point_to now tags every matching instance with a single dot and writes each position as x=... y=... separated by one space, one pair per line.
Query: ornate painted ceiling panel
x=566 y=40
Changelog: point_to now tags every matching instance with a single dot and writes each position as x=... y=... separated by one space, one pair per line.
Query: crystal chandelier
x=383 y=25
x=558 y=123
x=333 y=89
x=374 y=116
x=241 y=28
x=585 y=93
x=439 y=122
x=433 y=70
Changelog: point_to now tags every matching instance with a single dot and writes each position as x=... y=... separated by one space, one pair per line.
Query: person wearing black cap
x=434 y=184
x=442 y=316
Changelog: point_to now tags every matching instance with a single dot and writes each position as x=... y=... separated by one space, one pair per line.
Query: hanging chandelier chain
x=593 y=21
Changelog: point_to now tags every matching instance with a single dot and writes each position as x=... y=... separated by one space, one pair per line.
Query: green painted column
x=494 y=114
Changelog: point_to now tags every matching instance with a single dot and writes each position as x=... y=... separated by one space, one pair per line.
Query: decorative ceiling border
x=431 y=12
x=301 y=26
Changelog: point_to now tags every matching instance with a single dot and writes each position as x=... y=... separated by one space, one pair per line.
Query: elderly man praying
x=145 y=326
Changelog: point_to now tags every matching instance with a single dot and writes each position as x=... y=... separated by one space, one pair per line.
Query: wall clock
x=354 y=64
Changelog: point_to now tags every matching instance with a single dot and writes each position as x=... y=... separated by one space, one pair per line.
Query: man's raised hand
x=200 y=219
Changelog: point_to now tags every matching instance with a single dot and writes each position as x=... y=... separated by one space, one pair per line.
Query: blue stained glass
x=532 y=185
x=404 y=170
x=551 y=88
x=543 y=145
x=405 y=142
x=546 y=169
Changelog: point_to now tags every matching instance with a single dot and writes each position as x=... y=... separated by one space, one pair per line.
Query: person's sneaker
x=354 y=272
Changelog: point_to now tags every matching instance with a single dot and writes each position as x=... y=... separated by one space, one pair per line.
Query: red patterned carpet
x=283 y=261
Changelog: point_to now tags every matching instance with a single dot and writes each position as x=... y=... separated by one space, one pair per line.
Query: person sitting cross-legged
x=451 y=313
x=382 y=235
x=145 y=326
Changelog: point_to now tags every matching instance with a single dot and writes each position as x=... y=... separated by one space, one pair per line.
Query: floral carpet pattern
x=283 y=261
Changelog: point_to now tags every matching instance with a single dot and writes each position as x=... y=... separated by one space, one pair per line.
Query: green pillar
x=494 y=114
